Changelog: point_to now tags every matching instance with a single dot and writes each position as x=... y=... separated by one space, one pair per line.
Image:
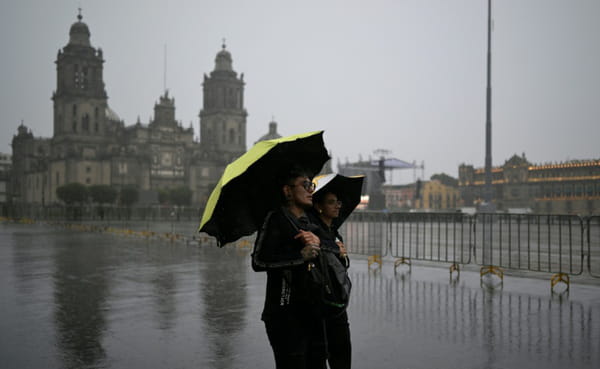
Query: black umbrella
x=347 y=189
x=251 y=185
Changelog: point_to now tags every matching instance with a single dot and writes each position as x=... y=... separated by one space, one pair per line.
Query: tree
x=181 y=196
x=163 y=196
x=129 y=196
x=72 y=193
x=103 y=194
x=445 y=179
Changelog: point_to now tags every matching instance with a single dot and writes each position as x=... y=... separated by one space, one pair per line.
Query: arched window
x=85 y=123
x=84 y=78
x=76 y=76
x=231 y=135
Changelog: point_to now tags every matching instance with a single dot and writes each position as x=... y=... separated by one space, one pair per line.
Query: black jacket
x=328 y=236
x=278 y=253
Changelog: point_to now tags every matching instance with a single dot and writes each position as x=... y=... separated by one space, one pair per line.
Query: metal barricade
x=443 y=237
x=542 y=243
x=366 y=233
x=593 y=245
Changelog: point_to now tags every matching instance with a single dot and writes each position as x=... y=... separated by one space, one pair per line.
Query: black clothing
x=339 y=344
x=277 y=252
x=297 y=343
x=328 y=236
x=337 y=327
x=296 y=337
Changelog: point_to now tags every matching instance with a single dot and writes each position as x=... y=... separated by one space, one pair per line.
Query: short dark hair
x=292 y=173
x=319 y=197
x=287 y=177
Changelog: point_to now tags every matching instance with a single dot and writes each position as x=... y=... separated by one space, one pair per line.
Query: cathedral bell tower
x=223 y=117
x=80 y=100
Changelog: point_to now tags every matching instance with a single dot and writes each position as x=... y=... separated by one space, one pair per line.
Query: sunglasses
x=308 y=185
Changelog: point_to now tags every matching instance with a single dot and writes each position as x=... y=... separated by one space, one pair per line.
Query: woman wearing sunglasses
x=284 y=246
x=326 y=210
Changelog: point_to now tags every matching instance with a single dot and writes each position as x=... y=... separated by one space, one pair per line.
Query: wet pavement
x=72 y=299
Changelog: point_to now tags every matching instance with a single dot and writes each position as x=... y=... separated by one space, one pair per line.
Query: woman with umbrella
x=247 y=199
x=283 y=247
x=334 y=193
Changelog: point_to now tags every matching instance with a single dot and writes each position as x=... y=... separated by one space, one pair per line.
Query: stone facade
x=435 y=195
x=571 y=187
x=5 y=170
x=92 y=145
x=399 y=197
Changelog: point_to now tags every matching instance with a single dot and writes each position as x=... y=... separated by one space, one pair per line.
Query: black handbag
x=328 y=284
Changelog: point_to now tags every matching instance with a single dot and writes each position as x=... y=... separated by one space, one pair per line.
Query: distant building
x=399 y=197
x=571 y=187
x=436 y=196
x=92 y=145
x=432 y=195
x=272 y=134
x=5 y=172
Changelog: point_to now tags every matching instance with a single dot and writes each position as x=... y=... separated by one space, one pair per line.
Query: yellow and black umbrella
x=251 y=185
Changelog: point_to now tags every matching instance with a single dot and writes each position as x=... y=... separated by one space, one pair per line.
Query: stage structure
x=374 y=171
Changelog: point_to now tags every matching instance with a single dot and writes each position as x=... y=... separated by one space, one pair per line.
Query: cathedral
x=92 y=145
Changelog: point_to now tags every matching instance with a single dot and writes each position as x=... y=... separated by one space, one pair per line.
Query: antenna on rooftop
x=165 y=70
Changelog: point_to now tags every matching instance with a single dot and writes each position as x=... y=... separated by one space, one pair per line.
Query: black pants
x=338 y=342
x=297 y=343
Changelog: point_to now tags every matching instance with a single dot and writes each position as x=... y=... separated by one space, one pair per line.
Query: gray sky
x=402 y=75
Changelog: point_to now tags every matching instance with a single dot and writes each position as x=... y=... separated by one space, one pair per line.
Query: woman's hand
x=307 y=238
x=343 y=251
x=310 y=252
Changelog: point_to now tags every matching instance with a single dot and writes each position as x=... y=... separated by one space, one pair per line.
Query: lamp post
x=487 y=192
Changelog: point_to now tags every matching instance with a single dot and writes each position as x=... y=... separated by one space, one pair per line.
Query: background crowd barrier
x=366 y=233
x=94 y=212
x=430 y=236
x=541 y=243
x=565 y=245
x=593 y=246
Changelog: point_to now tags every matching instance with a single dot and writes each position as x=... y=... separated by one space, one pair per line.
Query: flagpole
x=488 y=123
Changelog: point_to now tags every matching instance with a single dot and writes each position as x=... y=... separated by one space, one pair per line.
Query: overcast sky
x=407 y=76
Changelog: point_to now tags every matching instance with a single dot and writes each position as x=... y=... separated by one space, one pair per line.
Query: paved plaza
x=78 y=299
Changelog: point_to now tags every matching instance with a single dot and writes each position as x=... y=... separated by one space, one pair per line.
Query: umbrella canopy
x=347 y=189
x=251 y=185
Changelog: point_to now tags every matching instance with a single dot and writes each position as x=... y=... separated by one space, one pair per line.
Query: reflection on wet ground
x=85 y=300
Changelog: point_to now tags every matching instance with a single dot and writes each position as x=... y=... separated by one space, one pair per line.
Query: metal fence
x=566 y=244
x=542 y=243
x=430 y=236
x=561 y=244
x=593 y=249
x=92 y=212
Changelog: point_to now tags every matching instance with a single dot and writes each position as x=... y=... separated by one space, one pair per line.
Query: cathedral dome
x=223 y=60
x=111 y=115
x=272 y=134
x=79 y=33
